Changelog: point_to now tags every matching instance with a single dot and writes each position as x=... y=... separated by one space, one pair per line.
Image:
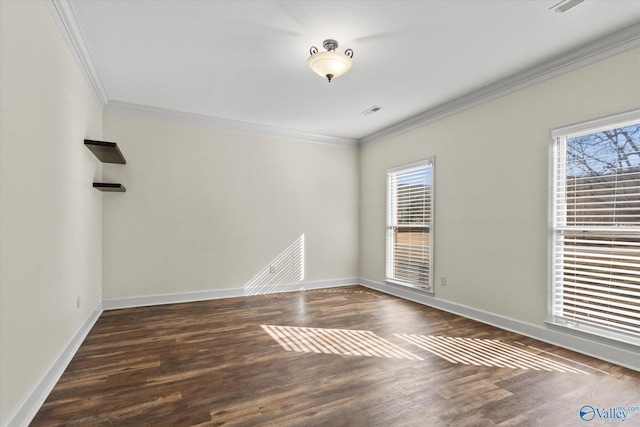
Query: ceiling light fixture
x=330 y=64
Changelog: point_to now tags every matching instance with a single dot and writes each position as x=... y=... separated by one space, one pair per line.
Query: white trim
x=164 y=114
x=418 y=164
x=599 y=334
x=558 y=140
x=67 y=21
x=33 y=400
x=618 y=42
x=180 y=297
x=64 y=15
x=30 y=405
x=617 y=354
x=551 y=219
x=597 y=125
x=173 y=298
x=428 y=162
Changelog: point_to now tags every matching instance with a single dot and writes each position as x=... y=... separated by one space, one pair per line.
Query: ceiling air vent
x=565 y=5
x=371 y=110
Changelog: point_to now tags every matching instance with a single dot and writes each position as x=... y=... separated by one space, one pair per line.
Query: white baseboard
x=30 y=405
x=32 y=402
x=175 y=298
x=618 y=355
x=590 y=346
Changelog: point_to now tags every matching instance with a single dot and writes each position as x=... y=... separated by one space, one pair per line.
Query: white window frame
x=555 y=317
x=391 y=223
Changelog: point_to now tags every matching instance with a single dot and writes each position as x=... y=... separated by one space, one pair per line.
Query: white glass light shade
x=330 y=64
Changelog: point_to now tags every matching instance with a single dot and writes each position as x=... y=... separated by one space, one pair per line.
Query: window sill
x=422 y=289
x=594 y=334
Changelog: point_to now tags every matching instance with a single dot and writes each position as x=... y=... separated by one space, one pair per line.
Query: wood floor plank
x=212 y=363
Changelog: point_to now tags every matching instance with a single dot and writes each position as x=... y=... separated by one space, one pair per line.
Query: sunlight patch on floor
x=485 y=352
x=336 y=341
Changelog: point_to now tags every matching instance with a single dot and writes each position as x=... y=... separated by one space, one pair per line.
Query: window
x=595 y=254
x=410 y=225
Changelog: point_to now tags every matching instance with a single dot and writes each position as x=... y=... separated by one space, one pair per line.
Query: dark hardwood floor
x=337 y=357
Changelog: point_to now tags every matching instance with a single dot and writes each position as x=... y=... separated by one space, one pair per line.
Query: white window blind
x=596 y=231
x=410 y=224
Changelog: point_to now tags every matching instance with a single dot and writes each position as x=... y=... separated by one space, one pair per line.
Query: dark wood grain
x=212 y=363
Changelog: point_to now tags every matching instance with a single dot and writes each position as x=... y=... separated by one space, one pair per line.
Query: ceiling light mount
x=330 y=64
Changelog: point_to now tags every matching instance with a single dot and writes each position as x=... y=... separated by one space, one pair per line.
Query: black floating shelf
x=106 y=152
x=103 y=186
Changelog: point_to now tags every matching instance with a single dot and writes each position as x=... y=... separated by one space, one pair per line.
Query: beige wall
x=491 y=194
x=50 y=217
x=207 y=209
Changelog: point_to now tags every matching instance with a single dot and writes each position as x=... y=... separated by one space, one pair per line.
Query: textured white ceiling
x=246 y=60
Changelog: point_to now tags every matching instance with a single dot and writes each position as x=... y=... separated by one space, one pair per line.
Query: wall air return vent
x=565 y=5
x=371 y=110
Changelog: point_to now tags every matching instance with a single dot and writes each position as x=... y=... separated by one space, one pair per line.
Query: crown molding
x=65 y=17
x=616 y=43
x=164 y=114
x=613 y=44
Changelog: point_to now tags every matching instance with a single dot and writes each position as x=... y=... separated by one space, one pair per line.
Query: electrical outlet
x=443 y=280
